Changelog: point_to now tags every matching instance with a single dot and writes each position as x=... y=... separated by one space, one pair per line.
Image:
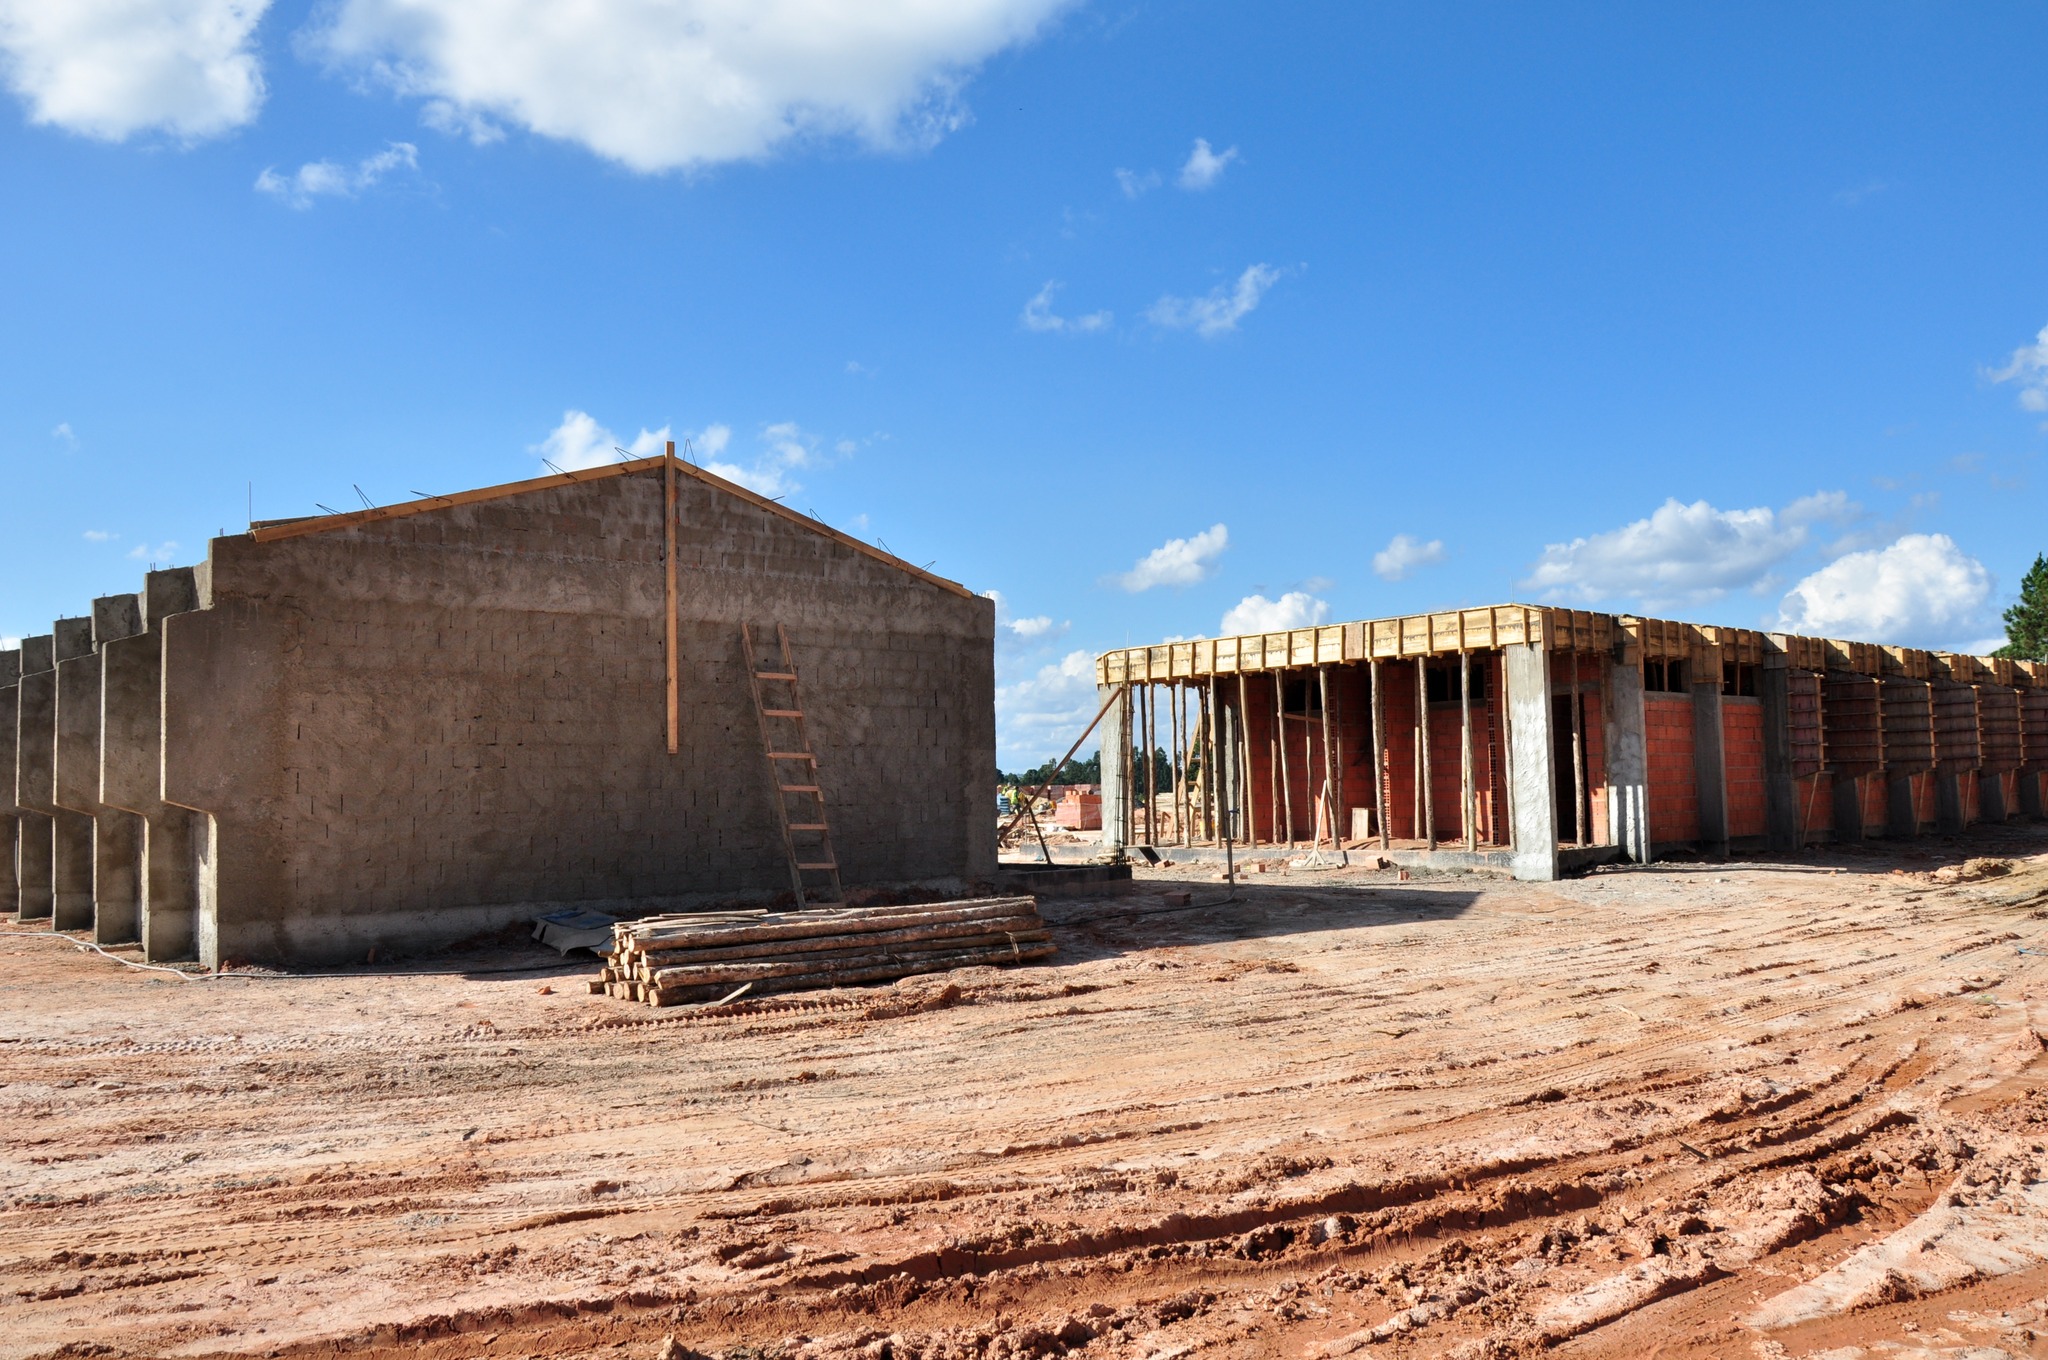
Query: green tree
x=2026 y=623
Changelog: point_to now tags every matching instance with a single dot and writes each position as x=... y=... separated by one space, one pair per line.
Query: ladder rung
x=828 y=864
x=798 y=788
x=782 y=713
x=775 y=675
x=792 y=755
x=808 y=826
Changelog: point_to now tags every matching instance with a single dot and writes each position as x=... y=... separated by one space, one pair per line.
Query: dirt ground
x=1746 y=1109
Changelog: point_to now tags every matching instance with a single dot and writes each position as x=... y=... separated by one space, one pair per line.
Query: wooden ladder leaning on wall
x=793 y=774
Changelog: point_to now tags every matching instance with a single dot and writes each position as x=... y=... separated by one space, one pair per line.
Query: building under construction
x=637 y=687
x=1544 y=739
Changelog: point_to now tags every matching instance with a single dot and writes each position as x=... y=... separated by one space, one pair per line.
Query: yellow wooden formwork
x=1628 y=638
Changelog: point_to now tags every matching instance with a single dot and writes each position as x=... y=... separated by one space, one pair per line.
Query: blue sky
x=1147 y=317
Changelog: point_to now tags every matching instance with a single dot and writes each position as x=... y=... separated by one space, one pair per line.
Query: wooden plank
x=1379 y=751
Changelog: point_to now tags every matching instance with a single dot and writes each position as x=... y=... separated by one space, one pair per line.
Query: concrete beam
x=1532 y=795
x=1628 y=762
x=1709 y=757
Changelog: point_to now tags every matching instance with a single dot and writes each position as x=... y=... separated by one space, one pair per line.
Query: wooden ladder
x=793 y=774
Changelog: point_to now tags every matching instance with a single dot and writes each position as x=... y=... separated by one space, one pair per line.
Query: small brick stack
x=671 y=960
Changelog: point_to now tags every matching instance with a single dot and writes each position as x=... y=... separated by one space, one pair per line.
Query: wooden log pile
x=710 y=957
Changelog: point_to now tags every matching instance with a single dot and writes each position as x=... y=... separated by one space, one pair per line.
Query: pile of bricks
x=714 y=958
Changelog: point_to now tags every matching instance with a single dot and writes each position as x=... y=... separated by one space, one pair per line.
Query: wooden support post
x=668 y=549
x=1468 y=806
x=1151 y=751
x=1308 y=764
x=1337 y=747
x=1249 y=830
x=1379 y=751
x=1578 y=759
x=1286 y=777
x=1182 y=793
x=1330 y=809
x=1212 y=771
x=1130 y=800
x=1425 y=776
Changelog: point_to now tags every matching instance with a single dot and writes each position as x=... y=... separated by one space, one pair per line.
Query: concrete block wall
x=411 y=729
x=10 y=821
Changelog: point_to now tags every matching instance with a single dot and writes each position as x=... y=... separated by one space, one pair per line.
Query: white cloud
x=1039 y=316
x=9 y=644
x=1217 y=312
x=63 y=435
x=1257 y=614
x=2029 y=368
x=1204 y=167
x=99 y=536
x=1683 y=554
x=468 y=124
x=1403 y=554
x=580 y=442
x=784 y=447
x=1039 y=716
x=689 y=83
x=1136 y=185
x=112 y=68
x=1037 y=630
x=325 y=179
x=1921 y=591
x=1178 y=561
x=162 y=552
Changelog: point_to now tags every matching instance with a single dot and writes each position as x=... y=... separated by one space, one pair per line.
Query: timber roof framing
x=269 y=531
x=1630 y=638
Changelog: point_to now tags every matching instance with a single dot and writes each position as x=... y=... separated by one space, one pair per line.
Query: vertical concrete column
x=1901 y=819
x=1991 y=796
x=1781 y=798
x=1628 y=761
x=1709 y=757
x=10 y=701
x=1848 y=803
x=34 y=749
x=1948 y=801
x=131 y=769
x=2030 y=793
x=71 y=840
x=116 y=833
x=1116 y=739
x=1532 y=793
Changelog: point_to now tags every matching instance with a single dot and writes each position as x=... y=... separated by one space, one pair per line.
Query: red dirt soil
x=1747 y=1109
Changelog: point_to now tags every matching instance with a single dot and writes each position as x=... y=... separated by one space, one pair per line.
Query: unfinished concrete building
x=1540 y=740
x=406 y=725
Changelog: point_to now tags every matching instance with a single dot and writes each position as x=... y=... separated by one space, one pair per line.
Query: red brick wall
x=1742 y=744
x=1674 y=793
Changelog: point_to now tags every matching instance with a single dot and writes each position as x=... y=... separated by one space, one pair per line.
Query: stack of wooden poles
x=719 y=956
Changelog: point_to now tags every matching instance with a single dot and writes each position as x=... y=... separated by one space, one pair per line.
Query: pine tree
x=2026 y=623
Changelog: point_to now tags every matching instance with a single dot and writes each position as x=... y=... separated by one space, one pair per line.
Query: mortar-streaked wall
x=410 y=729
